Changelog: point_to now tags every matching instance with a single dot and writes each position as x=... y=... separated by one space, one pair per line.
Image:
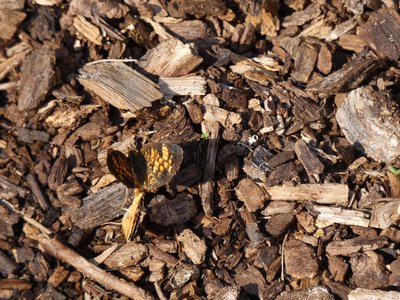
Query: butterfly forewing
x=120 y=166
x=162 y=163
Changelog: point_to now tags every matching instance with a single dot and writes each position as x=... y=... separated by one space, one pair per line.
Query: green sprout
x=394 y=170
x=205 y=136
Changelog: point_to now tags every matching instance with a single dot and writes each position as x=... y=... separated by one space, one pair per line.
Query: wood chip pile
x=288 y=116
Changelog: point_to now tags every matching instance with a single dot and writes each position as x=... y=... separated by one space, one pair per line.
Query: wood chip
x=192 y=246
x=300 y=260
x=355 y=245
x=119 y=85
x=251 y=194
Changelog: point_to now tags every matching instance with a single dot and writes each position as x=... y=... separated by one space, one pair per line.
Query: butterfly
x=146 y=170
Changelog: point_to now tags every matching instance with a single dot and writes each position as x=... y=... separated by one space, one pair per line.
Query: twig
x=28 y=219
x=159 y=292
x=65 y=254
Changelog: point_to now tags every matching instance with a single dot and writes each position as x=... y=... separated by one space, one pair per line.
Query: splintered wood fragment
x=87 y=30
x=304 y=62
x=369 y=270
x=222 y=116
x=352 y=42
x=37 y=191
x=341 y=29
x=58 y=172
x=385 y=212
x=350 y=76
x=300 y=260
x=329 y=215
x=129 y=254
x=171 y=58
x=194 y=247
x=182 y=86
x=370 y=121
x=30 y=135
x=308 y=159
x=355 y=245
x=37 y=78
x=7 y=266
x=380 y=34
x=59 y=276
x=109 y=281
x=327 y=193
x=197 y=7
x=167 y=212
x=303 y=16
x=9 y=22
x=9 y=186
x=119 y=85
x=255 y=235
x=251 y=194
x=15 y=284
x=99 y=207
x=207 y=188
x=362 y=294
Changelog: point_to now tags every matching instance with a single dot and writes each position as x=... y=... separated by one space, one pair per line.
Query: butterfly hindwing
x=162 y=163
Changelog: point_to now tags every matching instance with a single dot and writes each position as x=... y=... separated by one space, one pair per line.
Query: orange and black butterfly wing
x=120 y=166
x=162 y=163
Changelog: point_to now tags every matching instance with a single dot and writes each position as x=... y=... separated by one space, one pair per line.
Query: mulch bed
x=288 y=116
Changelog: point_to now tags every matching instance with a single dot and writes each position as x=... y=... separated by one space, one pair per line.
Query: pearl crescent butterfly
x=144 y=171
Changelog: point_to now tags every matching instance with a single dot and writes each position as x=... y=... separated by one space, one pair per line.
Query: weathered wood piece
x=7 y=266
x=37 y=191
x=350 y=76
x=301 y=17
x=308 y=159
x=9 y=22
x=167 y=212
x=318 y=292
x=380 y=34
x=194 y=247
x=368 y=270
x=171 y=58
x=119 y=85
x=88 y=30
x=36 y=79
x=129 y=254
x=361 y=294
x=304 y=62
x=351 y=246
x=330 y=215
x=370 y=121
x=100 y=207
x=182 y=86
x=300 y=260
x=385 y=212
x=328 y=193
x=251 y=194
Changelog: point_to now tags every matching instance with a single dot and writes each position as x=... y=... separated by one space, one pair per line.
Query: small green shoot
x=205 y=136
x=394 y=170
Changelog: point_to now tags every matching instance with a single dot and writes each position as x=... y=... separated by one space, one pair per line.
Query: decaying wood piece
x=88 y=30
x=129 y=254
x=99 y=207
x=9 y=22
x=355 y=245
x=350 y=76
x=36 y=79
x=251 y=194
x=309 y=160
x=167 y=212
x=171 y=58
x=328 y=193
x=329 y=215
x=370 y=121
x=361 y=294
x=182 y=86
x=380 y=34
x=300 y=260
x=119 y=85
x=194 y=247
x=207 y=188
x=385 y=212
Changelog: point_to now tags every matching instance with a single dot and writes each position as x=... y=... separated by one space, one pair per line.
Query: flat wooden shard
x=36 y=79
x=327 y=193
x=370 y=121
x=381 y=34
x=171 y=58
x=119 y=85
